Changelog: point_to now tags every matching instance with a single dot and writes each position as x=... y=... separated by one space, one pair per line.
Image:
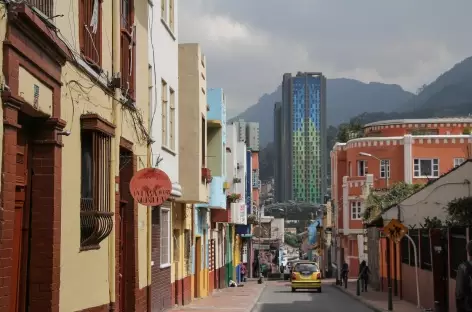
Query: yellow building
x=75 y=131
x=193 y=176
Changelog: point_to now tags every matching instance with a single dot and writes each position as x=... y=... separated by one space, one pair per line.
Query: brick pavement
x=377 y=300
x=232 y=299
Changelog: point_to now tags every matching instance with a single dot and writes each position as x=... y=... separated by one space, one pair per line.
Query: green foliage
x=432 y=223
x=292 y=239
x=378 y=201
x=459 y=212
x=467 y=131
x=349 y=131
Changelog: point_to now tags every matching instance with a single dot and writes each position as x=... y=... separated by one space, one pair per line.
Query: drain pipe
x=115 y=151
x=149 y=238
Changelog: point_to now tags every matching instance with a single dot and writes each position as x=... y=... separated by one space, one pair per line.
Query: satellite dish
x=257 y=231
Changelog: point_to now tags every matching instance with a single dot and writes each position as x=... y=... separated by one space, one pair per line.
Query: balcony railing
x=45 y=6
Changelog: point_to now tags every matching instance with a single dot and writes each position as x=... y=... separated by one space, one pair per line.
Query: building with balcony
x=193 y=174
x=73 y=137
x=164 y=90
x=413 y=151
x=193 y=123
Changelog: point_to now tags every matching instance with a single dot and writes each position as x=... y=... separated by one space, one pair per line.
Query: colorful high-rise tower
x=300 y=139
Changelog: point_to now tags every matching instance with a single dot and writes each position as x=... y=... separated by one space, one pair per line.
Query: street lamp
x=384 y=162
x=389 y=278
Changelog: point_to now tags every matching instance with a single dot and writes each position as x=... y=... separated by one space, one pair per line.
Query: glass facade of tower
x=306 y=139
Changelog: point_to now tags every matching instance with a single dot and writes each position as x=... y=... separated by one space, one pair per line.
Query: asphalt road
x=278 y=297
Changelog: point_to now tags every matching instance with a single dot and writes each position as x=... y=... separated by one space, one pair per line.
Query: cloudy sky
x=249 y=44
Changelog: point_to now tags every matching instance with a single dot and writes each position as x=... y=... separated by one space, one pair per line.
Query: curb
x=253 y=308
x=358 y=298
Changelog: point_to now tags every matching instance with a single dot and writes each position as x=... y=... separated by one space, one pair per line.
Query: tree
x=378 y=201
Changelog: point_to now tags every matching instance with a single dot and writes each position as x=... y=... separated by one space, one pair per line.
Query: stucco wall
x=164 y=49
x=96 y=268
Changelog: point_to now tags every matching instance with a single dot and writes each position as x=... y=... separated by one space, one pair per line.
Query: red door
x=21 y=227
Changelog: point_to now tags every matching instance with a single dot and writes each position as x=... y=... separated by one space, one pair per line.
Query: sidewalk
x=377 y=300
x=232 y=299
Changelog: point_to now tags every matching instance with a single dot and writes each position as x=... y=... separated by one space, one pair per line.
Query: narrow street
x=277 y=297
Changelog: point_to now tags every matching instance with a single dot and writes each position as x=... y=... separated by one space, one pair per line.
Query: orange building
x=409 y=150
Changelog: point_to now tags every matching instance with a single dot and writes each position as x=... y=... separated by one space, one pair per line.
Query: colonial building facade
x=74 y=133
x=410 y=151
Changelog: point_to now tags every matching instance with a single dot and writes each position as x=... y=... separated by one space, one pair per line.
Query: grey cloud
x=406 y=42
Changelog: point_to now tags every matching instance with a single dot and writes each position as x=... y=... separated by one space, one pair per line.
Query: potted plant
x=234 y=197
x=251 y=219
x=237 y=180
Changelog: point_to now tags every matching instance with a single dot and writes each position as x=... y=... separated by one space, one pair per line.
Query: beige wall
x=215 y=137
x=193 y=107
x=80 y=95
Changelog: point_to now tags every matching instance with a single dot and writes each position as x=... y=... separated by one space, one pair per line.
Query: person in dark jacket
x=344 y=273
x=364 y=275
x=464 y=283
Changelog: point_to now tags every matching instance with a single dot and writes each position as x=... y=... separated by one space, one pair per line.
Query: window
x=426 y=168
x=128 y=49
x=361 y=168
x=458 y=162
x=90 y=32
x=349 y=168
x=172 y=119
x=385 y=168
x=164 y=10
x=171 y=15
x=355 y=210
x=164 y=222
x=96 y=218
x=45 y=6
x=204 y=143
x=164 y=112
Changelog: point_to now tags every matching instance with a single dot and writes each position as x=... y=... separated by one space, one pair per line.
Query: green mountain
x=450 y=95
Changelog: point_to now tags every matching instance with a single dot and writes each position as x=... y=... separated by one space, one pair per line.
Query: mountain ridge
x=360 y=96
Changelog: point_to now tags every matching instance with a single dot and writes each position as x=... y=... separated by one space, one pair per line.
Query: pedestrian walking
x=243 y=272
x=364 y=273
x=464 y=283
x=344 y=274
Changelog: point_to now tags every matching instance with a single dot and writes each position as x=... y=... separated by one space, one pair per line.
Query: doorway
x=439 y=251
x=125 y=229
x=22 y=219
x=198 y=265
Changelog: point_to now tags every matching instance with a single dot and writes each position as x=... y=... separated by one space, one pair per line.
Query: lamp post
x=389 y=265
x=385 y=162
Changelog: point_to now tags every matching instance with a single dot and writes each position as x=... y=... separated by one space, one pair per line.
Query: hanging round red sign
x=150 y=187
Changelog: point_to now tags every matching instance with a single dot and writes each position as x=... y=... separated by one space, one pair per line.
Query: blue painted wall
x=217 y=194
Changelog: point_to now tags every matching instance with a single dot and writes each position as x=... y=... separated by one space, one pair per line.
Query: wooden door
x=126 y=206
x=21 y=227
x=439 y=251
x=198 y=263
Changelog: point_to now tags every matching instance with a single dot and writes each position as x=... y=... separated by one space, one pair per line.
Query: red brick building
x=410 y=150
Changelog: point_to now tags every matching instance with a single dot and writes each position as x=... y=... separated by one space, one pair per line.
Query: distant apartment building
x=248 y=132
x=300 y=139
x=409 y=150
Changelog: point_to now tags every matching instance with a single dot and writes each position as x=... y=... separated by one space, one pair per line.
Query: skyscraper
x=300 y=139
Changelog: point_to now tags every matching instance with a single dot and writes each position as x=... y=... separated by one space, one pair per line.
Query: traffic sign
x=395 y=230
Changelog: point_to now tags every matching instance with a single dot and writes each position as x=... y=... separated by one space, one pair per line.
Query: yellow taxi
x=306 y=275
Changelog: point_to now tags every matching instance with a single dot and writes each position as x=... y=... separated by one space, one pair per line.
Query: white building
x=236 y=168
x=164 y=106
